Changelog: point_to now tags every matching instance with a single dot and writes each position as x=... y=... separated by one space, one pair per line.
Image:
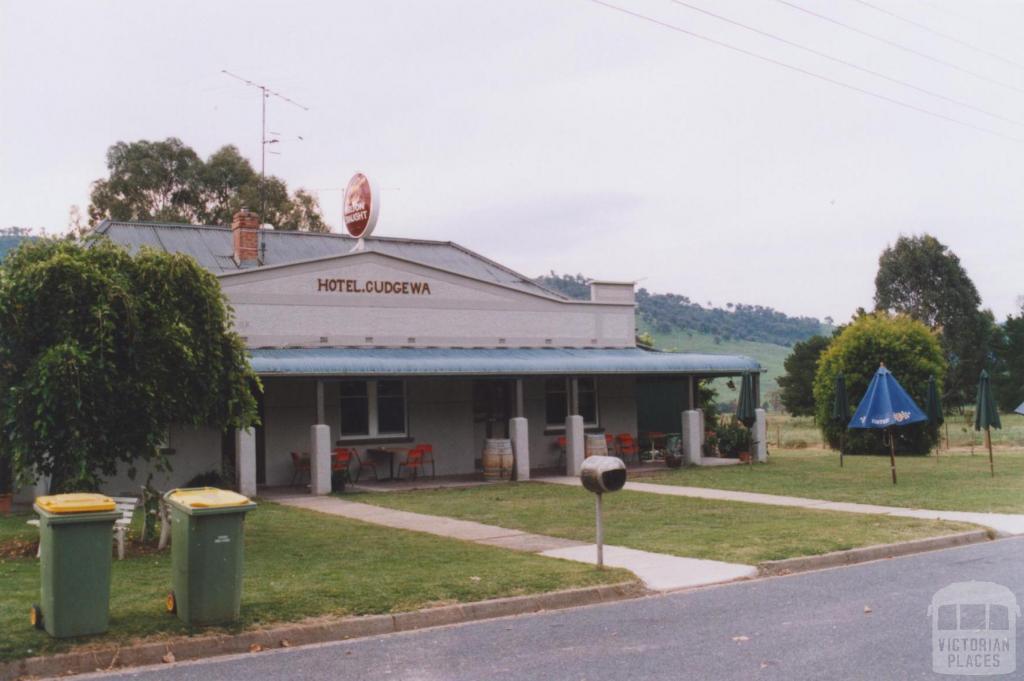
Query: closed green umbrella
x=986 y=415
x=745 y=407
x=933 y=407
x=841 y=411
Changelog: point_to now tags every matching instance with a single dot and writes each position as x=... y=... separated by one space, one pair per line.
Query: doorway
x=492 y=408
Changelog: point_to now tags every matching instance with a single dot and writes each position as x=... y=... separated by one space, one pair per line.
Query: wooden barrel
x=594 y=445
x=497 y=459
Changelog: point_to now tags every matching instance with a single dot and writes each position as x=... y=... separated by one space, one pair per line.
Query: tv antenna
x=265 y=94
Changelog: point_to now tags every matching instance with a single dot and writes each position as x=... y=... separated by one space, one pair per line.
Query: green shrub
x=733 y=438
x=909 y=350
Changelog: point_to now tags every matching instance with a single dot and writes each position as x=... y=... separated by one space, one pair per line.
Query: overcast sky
x=561 y=134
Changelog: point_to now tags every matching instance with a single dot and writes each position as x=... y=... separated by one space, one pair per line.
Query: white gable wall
x=374 y=300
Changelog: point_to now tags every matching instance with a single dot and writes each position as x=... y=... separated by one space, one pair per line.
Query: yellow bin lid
x=77 y=502
x=207 y=497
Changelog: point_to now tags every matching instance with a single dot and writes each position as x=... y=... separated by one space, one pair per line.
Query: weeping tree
x=101 y=350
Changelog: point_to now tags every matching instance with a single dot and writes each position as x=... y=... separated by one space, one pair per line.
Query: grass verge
x=299 y=564
x=698 y=528
x=955 y=481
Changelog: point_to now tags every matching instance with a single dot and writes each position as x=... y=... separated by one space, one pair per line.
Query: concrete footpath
x=1004 y=524
x=659 y=572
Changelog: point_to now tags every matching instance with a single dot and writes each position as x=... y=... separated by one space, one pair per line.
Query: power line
x=947 y=36
x=850 y=64
x=900 y=46
x=805 y=72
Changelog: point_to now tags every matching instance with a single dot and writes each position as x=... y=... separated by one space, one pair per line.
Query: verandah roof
x=491 y=362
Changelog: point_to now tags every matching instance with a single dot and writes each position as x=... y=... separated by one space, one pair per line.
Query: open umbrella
x=841 y=410
x=745 y=406
x=986 y=415
x=1020 y=408
x=886 y=405
x=933 y=407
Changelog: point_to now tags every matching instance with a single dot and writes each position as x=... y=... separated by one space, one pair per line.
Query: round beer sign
x=361 y=206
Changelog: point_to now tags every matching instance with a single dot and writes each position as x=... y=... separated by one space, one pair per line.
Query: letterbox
x=601 y=474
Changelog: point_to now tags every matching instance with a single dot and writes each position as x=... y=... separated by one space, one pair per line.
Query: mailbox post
x=601 y=474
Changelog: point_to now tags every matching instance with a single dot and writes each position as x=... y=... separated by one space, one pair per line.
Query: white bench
x=126 y=506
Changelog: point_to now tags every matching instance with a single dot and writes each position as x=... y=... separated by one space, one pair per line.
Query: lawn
x=299 y=564
x=953 y=481
x=698 y=528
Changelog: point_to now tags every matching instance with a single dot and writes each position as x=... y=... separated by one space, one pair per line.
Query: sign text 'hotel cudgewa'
x=402 y=288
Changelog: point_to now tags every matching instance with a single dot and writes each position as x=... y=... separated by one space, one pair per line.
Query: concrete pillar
x=760 y=436
x=518 y=429
x=320 y=459
x=691 y=429
x=573 y=444
x=245 y=461
x=701 y=434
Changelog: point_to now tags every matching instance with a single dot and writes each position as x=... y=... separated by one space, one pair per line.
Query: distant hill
x=678 y=324
x=664 y=313
x=9 y=241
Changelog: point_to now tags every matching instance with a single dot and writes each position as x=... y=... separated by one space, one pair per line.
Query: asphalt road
x=808 y=626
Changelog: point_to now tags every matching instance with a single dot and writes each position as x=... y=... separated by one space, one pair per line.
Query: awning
x=491 y=362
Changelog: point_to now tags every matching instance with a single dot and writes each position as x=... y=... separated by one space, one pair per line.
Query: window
x=558 y=398
x=372 y=409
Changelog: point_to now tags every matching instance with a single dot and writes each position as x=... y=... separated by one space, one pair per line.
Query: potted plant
x=673 y=456
x=710 y=446
x=734 y=440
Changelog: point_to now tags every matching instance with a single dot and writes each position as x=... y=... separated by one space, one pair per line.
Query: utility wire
x=805 y=72
x=947 y=36
x=850 y=64
x=900 y=46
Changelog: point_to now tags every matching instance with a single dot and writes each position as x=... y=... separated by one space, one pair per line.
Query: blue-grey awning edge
x=491 y=362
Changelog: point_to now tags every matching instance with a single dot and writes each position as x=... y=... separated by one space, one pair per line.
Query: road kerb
x=862 y=555
x=290 y=635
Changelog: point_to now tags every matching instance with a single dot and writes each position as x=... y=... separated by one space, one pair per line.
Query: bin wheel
x=35 y=616
x=171 y=603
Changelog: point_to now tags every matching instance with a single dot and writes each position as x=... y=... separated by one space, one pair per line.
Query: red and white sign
x=362 y=205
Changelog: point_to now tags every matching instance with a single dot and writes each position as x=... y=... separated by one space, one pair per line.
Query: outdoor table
x=390 y=452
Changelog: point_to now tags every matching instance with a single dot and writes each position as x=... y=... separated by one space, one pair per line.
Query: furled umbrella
x=841 y=411
x=933 y=408
x=986 y=415
x=886 y=405
x=745 y=407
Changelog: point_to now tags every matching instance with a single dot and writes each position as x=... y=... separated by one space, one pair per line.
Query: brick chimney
x=245 y=233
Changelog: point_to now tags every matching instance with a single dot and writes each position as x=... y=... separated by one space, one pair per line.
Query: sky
x=566 y=135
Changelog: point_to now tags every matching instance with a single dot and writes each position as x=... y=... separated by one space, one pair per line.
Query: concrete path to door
x=1004 y=524
x=659 y=572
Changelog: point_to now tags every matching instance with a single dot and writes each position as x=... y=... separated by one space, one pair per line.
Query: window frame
x=373 y=412
x=596 y=423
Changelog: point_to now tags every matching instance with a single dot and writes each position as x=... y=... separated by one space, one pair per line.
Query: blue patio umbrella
x=886 y=405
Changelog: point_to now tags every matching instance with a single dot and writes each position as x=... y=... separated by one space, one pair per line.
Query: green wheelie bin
x=207 y=554
x=76 y=541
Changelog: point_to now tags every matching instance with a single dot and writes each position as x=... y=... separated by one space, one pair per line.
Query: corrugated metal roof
x=490 y=362
x=211 y=246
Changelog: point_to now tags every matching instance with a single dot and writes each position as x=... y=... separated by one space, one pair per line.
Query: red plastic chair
x=342 y=460
x=428 y=458
x=627 y=447
x=414 y=461
x=300 y=465
x=561 y=443
x=609 y=441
